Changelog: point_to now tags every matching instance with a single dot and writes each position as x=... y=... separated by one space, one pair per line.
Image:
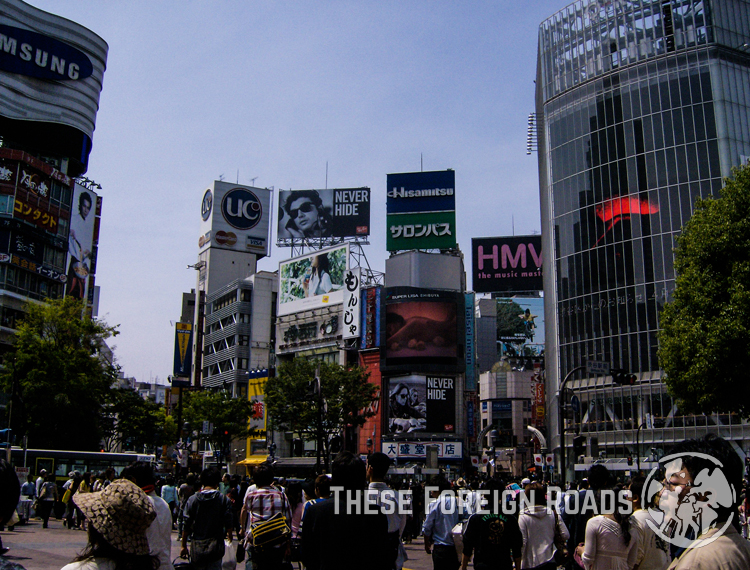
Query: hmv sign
x=235 y=217
x=507 y=264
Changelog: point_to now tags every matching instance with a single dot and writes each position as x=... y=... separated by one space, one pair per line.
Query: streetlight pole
x=638 y=445
x=560 y=428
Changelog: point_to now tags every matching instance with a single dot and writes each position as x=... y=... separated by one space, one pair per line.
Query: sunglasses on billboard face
x=305 y=207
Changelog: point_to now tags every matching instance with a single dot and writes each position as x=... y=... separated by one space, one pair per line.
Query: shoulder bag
x=271 y=532
x=561 y=548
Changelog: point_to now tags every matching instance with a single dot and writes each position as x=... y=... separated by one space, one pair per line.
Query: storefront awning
x=253 y=460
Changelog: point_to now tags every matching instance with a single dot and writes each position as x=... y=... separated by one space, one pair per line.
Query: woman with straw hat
x=118 y=518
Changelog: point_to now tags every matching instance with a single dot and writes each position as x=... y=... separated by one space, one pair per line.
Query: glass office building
x=642 y=107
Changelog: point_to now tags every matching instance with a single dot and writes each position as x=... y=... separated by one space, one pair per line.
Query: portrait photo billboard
x=313 y=280
x=235 y=217
x=507 y=264
x=334 y=212
x=421 y=403
x=421 y=330
x=81 y=250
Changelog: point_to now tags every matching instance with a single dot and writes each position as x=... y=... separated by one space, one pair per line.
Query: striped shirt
x=264 y=502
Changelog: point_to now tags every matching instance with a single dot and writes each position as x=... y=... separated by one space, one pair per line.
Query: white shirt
x=159 y=534
x=653 y=552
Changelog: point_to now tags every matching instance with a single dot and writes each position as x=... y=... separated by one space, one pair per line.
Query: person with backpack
x=208 y=519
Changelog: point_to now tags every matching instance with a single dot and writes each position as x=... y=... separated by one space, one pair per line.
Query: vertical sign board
x=421 y=210
x=471 y=381
x=183 y=353
x=351 y=304
x=81 y=250
x=256 y=383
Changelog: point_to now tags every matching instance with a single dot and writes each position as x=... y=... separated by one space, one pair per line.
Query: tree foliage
x=346 y=395
x=61 y=378
x=130 y=422
x=704 y=342
x=228 y=415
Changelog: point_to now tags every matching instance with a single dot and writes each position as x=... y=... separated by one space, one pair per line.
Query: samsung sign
x=36 y=55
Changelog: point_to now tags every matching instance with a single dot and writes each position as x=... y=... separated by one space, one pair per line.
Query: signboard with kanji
x=418 y=449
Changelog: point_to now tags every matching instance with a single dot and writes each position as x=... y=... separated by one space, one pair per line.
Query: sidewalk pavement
x=36 y=548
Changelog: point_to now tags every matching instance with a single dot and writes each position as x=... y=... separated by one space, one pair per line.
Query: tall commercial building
x=642 y=108
x=51 y=73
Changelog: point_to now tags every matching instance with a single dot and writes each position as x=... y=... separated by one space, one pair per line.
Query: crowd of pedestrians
x=223 y=521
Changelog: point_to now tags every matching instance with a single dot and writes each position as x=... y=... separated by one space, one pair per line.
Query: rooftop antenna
x=421 y=164
x=326 y=175
x=513 y=224
x=238 y=176
x=252 y=181
x=221 y=178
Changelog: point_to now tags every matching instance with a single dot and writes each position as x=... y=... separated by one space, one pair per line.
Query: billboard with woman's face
x=313 y=280
x=309 y=214
x=421 y=403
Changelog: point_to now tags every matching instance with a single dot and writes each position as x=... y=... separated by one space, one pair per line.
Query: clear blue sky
x=195 y=90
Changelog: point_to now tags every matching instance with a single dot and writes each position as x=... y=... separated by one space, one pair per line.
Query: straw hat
x=121 y=513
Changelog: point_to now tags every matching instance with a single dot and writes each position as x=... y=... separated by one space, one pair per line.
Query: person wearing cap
x=40 y=481
x=46 y=499
x=525 y=481
x=119 y=517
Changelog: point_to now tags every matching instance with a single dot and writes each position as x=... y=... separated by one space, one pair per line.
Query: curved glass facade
x=642 y=108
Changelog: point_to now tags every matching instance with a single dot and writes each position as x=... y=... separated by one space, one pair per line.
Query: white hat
x=525 y=481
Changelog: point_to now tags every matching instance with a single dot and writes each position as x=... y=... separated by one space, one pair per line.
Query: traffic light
x=336 y=444
x=622 y=377
x=579 y=445
x=630 y=460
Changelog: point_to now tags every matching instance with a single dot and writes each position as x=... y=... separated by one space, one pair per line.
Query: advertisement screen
x=421 y=328
x=520 y=326
x=421 y=403
x=314 y=280
x=342 y=212
x=235 y=217
x=81 y=252
x=507 y=264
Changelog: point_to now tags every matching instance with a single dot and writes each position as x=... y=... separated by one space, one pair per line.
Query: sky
x=266 y=93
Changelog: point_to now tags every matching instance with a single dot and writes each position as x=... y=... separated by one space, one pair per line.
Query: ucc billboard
x=507 y=264
x=334 y=212
x=235 y=217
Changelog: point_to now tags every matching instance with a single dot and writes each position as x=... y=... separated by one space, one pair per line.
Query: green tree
x=228 y=416
x=130 y=422
x=58 y=376
x=346 y=394
x=704 y=342
x=509 y=321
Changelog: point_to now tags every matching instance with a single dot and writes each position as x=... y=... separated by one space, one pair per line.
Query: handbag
x=240 y=555
x=271 y=532
x=66 y=496
x=203 y=551
x=561 y=548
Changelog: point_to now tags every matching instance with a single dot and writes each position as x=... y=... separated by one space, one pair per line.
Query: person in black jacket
x=208 y=515
x=337 y=534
